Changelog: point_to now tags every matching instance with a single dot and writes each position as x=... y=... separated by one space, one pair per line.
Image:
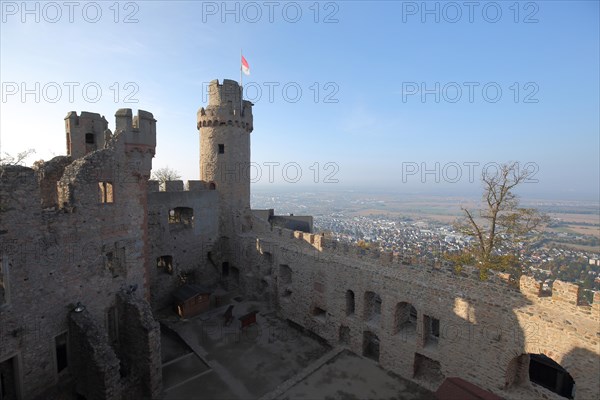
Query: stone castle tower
x=85 y=133
x=225 y=126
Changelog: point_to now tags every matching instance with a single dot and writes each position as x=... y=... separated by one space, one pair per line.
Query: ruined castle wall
x=483 y=326
x=139 y=347
x=85 y=133
x=98 y=367
x=186 y=243
x=84 y=250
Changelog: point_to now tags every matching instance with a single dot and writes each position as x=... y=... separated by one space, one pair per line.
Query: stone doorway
x=370 y=345
x=9 y=389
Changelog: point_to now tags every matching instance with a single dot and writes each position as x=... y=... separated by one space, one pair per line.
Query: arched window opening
x=541 y=370
x=372 y=308
x=405 y=318
x=546 y=372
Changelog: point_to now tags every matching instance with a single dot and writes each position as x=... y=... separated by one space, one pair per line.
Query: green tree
x=500 y=222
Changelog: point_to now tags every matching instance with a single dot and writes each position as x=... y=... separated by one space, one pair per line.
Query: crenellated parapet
x=89 y=132
x=224 y=107
x=481 y=330
x=179 y=186
x=139 y=130
x=561 y=293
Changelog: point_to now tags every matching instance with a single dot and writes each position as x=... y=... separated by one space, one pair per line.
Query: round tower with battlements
x=225 y=126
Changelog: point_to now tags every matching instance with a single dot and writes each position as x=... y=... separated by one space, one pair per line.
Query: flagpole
x=241 y=85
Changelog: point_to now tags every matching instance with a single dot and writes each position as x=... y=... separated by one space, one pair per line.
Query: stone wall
x=139 y=347
x=71 y=230
x=89 y=227
x=85 y=133
x=95 y=365
x=483 y=326
x=186 y=243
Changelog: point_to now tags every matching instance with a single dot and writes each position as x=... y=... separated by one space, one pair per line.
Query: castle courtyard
x=203 y=358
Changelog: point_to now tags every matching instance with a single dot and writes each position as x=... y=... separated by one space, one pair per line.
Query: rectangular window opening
x=435 y=328
x=221 y=149
x=225 y=268
x=183 y=216
x=165 y=263
x=105 y=192
x=431 y=330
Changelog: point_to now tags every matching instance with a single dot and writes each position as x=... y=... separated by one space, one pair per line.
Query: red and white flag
x=245 y=66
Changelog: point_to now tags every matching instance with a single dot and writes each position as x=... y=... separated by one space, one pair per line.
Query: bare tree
x=19 y=159
x=165 y=174
x=6 y=161
x=499 y=222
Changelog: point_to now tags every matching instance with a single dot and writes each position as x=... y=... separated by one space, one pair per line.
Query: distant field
x=446 y=211
x=578 y=230
x=578 y=224
x=414 y=214
x=577 y=218
x=576 y=246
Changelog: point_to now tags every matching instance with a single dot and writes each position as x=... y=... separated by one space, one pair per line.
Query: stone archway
x=539 y=369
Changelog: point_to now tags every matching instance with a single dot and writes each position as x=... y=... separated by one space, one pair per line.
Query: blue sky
x=360 y=67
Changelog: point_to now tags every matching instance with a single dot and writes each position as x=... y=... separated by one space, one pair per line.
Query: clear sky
x=503 y=81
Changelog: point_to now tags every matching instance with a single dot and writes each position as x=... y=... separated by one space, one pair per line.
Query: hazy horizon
x=409 y=97
x=473 y=193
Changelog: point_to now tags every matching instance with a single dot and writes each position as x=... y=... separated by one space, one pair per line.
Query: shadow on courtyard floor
x=203 y=358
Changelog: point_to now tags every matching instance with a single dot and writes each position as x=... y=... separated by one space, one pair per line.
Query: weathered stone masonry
x=182 y=229
x=350 y=295
x=423 y=323
x=89 y=229
x=73 y=229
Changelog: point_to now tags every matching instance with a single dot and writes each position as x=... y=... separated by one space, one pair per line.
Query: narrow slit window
x=435 y=327
x=3 y=282
x=113 y=324
x=221 y=149
x=62 y=361
x=350 y=304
